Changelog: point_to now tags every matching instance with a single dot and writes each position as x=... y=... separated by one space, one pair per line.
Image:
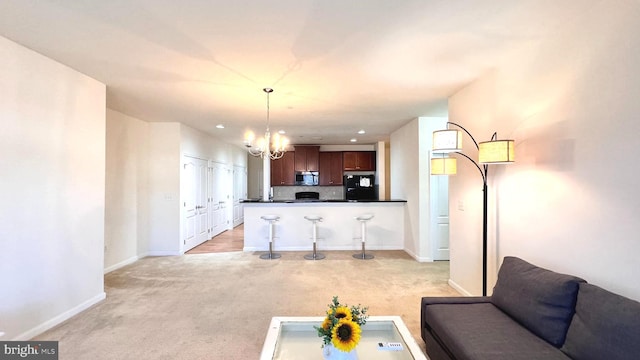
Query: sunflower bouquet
x=341 y=327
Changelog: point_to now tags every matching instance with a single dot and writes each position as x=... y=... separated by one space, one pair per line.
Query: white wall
x=382 y=172
x=570 y=202
x=127 y=190
x=52 y=166
x=405 y=159
x=199 y=144
x=410 y=179
x=164 y=189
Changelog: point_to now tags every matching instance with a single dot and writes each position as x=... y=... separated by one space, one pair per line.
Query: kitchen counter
x=338 y=230
x=316 y=201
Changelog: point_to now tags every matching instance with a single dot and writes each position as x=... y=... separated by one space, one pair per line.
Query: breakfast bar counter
x=338 y=230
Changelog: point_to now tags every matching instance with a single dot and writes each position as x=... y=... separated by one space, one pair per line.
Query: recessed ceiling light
x=281 y=132
x=361 y=132
x=220 y=126
x=354 y=140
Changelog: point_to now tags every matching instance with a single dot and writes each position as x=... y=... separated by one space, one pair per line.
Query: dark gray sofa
x=533 y=313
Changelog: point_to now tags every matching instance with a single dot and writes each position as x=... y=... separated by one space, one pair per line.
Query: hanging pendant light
x=274 y=147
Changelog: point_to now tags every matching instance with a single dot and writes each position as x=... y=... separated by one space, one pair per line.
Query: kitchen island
x=338 y=230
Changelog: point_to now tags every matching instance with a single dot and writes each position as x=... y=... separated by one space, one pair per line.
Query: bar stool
x=271 y=219
x=363 y=226
x=314 y=219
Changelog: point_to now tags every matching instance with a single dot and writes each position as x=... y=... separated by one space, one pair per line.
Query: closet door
x=218 y=198
x=212 y=205
x=196 y=204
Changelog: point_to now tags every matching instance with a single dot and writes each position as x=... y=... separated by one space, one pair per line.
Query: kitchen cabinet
x=306 y=158
x=330 y=168
x=282 y=172
x=359 y=160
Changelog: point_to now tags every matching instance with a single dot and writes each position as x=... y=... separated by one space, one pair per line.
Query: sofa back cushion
x=541 y=300
x=605 y=326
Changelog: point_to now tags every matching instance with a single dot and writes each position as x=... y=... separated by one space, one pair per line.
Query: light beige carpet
x=218 y=306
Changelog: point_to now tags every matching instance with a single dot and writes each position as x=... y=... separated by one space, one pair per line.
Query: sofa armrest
x=434 y=345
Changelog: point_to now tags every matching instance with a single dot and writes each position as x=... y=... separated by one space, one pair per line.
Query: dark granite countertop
x=259 y=201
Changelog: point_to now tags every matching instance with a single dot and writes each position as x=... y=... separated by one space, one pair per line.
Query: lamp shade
x=443 y=166
x=447 y=140
x=496 y=152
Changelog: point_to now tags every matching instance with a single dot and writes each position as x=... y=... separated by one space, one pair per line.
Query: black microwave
x=307 y=178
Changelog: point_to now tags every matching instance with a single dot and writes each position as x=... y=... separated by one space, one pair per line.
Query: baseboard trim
x=57 y=320
x=459 y=288
x=418 y=258
x=164 y=253
x=121 y=264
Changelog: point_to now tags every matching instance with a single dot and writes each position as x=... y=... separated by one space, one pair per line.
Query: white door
x=440 y=216
x=212 y=205
x=227 y=204
x=218 y=198
x=196 y=230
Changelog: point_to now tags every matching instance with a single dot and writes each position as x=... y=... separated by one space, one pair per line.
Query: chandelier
x=266 y=146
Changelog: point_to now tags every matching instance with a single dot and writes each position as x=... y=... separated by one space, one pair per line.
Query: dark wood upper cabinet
x=359 y=160
x=330 y=165
x=306 y=158
x=282 y=172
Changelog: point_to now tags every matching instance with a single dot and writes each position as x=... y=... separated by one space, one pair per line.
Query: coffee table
x=295 y=338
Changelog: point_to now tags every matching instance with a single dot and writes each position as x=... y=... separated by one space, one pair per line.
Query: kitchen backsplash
x=326 y=192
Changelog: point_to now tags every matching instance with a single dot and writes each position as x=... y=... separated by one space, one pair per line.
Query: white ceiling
x=336 y=66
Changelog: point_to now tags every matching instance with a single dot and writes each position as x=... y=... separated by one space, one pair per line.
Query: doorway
x=229 y=241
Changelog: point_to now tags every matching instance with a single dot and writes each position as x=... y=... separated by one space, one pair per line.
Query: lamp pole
x=483 y=173
x=484 y=233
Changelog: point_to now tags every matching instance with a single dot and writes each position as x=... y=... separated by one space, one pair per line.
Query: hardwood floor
x=230 y=240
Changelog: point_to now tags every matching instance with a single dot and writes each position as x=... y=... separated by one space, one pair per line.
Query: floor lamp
x=489 y=152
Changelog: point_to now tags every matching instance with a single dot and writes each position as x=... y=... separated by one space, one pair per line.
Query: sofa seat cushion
x=605 y=326
x=482 y=331
x=541 y=300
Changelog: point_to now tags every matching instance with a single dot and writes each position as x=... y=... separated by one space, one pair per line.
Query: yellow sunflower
x=343 y=312
x=345 y=335
x=326 y=324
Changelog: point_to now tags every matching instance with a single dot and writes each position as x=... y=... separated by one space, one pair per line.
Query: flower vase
x=331 y=353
